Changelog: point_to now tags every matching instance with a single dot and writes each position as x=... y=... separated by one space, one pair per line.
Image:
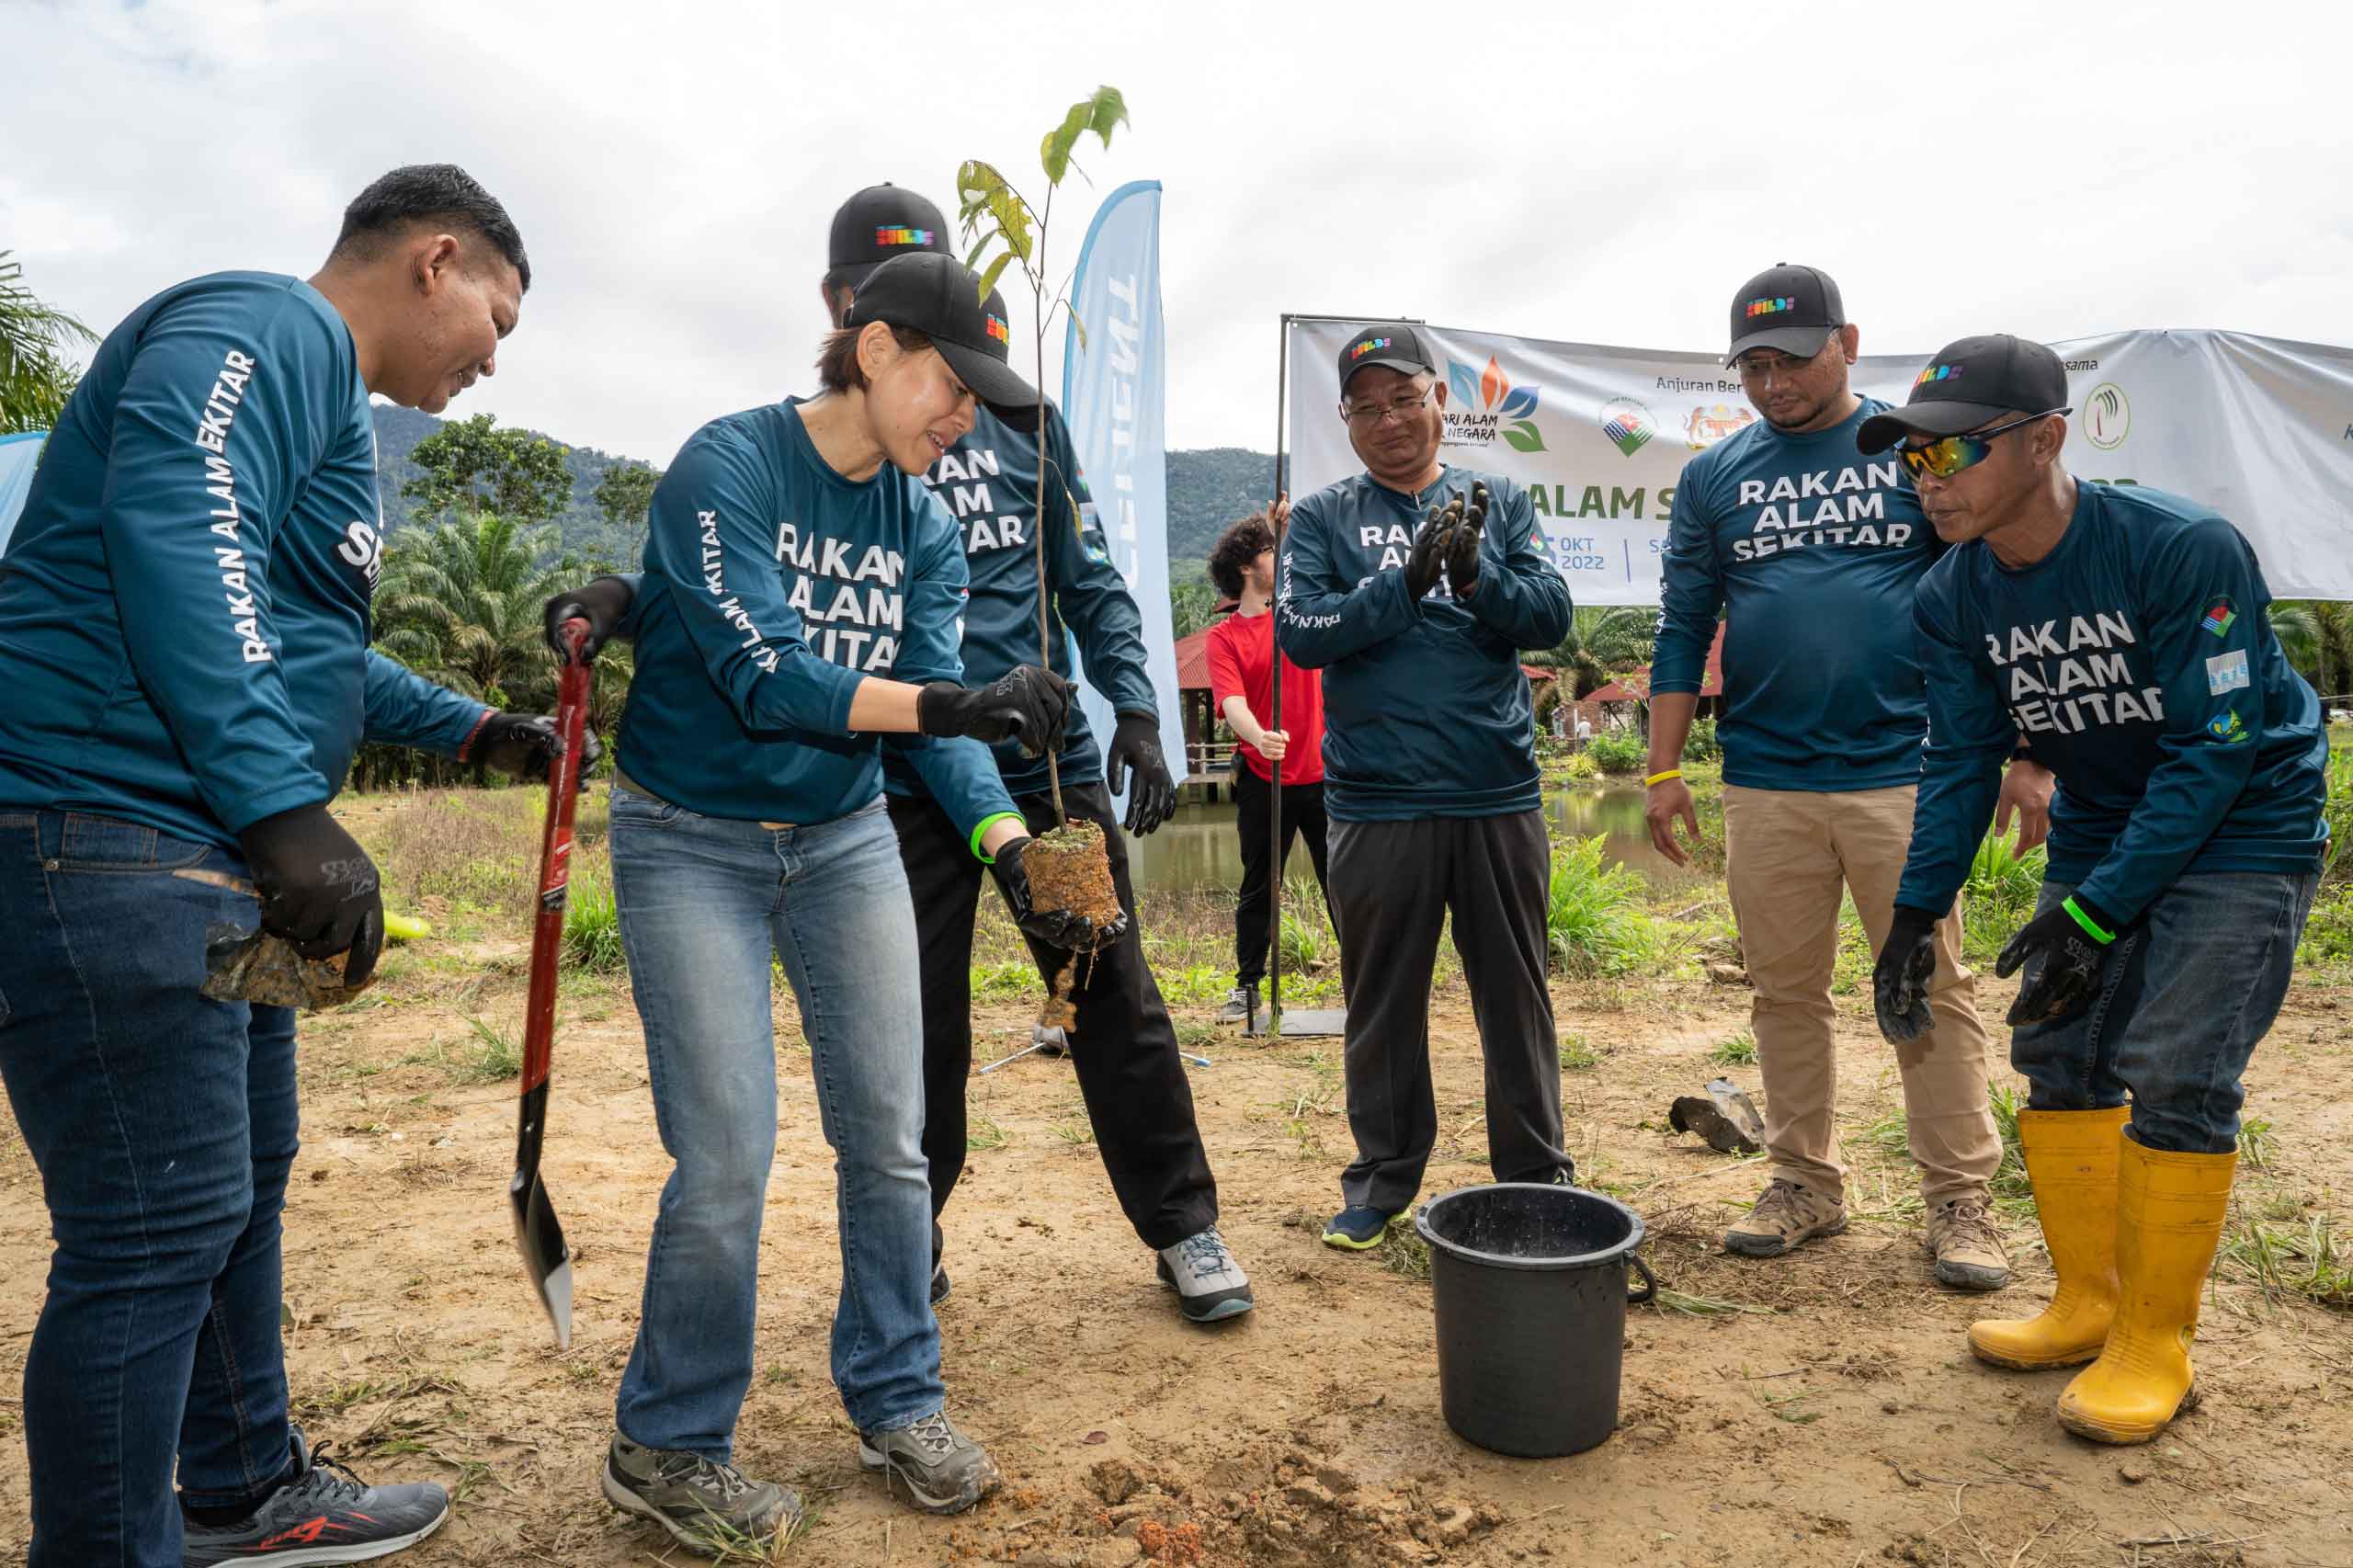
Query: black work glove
x=318 y=888
x=2071 y=957
x=522 y=744
x=603 y=604
x=1427 y=557
x=1900 y=980
x=1055 y=928
x=1135 y=763
x=1024 y=704
x=1462 y=548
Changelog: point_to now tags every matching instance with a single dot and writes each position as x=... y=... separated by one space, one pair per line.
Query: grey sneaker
x=1967 y=1246
x=323 y=1514
x=945 y=1472
x=1240 y=1003
x=1210 y=1286
x=704 y=1505
x=1786 y=1215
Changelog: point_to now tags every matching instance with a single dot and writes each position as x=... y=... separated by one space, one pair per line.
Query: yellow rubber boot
x=2071 y=1158
x=2169 y=1211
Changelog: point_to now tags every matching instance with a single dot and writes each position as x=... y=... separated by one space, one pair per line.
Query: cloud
x=1577 y=171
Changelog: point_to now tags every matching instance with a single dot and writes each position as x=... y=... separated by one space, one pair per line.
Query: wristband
x=1662 y=777
x=466 y=746
x=987 y=822
x=2072 y=907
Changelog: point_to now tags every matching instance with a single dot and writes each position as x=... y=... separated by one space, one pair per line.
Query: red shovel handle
x=555 y=856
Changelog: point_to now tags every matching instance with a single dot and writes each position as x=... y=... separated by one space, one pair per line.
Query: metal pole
x=1275 y=707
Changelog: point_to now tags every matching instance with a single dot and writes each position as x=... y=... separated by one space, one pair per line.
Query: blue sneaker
x=1359 y=1228
x=324 y=1514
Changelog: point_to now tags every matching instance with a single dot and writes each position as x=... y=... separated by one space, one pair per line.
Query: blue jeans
x=2187 y=992
x=703 y=903
x=163 y=1125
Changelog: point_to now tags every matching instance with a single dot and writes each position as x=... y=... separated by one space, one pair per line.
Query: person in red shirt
x=1241 y=657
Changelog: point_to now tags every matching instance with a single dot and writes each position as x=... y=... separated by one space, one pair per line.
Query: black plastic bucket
x=1530 y=1285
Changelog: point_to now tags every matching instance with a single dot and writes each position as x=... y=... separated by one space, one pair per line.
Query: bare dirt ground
x=1821 y=1409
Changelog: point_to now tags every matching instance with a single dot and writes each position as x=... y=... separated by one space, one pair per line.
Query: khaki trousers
x=1789 y=851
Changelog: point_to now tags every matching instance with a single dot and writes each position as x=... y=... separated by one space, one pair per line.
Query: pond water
x=1198 y=849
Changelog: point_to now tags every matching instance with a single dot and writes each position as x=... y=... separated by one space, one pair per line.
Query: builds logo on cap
x=887 y=237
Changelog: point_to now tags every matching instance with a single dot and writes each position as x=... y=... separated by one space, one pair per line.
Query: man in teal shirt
x=1811 y=554
x=2124 y=632
x=1430 y=783
x=184 y=629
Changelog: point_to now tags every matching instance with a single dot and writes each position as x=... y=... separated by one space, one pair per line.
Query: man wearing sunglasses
x=2123 y=630
x=1811 y=554
x=1430 y=786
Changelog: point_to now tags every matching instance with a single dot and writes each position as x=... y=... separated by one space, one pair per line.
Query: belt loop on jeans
x=634 y=788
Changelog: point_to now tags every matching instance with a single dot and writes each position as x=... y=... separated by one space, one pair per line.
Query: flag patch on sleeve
x=2226 y=672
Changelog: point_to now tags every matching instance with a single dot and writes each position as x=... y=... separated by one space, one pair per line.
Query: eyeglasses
x=1757 y=364
x=1403 y=407
x=1949 y=455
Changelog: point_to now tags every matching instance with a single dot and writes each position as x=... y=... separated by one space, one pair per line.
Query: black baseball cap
x=1392 y=344
x=936 y=296
x=1969 y=384
x=878 y=223
x=1793 y=309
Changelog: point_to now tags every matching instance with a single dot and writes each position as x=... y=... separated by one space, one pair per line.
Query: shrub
x=1617 y=753
x=1999 y=894
x=1593 y=920
x=1702 y=746
x=1582 y=766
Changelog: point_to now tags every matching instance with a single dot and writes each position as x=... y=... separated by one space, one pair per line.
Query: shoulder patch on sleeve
x=2227 y=671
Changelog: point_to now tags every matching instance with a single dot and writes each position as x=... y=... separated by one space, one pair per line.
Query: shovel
x=537 y=1231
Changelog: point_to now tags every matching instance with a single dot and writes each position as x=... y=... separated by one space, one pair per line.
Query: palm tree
x=2297 y=630
x=36 y=377
x=1603 y=640
x=461 y=603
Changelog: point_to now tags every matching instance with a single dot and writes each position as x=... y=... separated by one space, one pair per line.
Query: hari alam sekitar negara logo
x=998 y=330
x=902 y=237
x=1484 y=402
x=1627 y=424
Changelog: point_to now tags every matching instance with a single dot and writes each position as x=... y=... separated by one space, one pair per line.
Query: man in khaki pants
x=1812 y=553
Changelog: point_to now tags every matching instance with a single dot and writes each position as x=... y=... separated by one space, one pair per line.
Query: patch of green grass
x=1593 y=917
x=984 y=1132
x=2255 y=1142
x=1403 y=1253
x=591 y=926
x=497 y=1055
x=2313 y=1260
x=1579 y=1054
x=1013 y=978
x=1999 y=897
x=1077 y=1134
x=1738 y=1051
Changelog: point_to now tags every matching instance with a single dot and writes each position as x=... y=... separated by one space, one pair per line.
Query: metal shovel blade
x=539 y=1235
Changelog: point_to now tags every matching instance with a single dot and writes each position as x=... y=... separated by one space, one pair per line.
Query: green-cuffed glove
x=2071 y=940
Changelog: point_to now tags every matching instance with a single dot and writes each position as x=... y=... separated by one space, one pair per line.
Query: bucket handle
x=1650 y=1281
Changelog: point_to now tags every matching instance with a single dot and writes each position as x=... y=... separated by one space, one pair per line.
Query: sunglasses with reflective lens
x=1949 y=455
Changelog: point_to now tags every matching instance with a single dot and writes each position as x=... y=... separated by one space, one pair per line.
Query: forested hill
x=1207 y=489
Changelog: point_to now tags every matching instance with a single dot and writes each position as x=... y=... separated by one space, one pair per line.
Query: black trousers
x=1123 y=1046
x=1253 y=913
x=1393 y=884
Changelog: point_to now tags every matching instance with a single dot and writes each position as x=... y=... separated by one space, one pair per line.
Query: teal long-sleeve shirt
x=184 y=604
x=774 y=586
x=2138 y=660
x=988 y=482
x=1426 y=711
x=1813 y=551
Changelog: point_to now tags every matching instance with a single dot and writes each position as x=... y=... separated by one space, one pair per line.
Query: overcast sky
x=1599 y=173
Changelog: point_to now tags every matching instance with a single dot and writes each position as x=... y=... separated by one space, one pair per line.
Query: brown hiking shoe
x=1970 y=1255
x=1786 y=1215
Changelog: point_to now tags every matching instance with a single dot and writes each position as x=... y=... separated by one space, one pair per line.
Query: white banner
x=2260 y=428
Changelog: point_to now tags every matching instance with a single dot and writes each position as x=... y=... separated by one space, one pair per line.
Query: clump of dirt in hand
x=1069 y=869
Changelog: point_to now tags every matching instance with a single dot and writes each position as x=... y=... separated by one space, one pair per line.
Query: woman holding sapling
x=800 y=599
